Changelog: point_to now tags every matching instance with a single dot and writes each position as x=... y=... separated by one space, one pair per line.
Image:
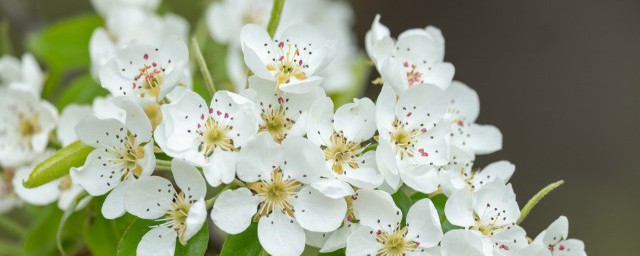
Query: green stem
x=163 y=165
x=535 y=199
x=276 y=13
x=204 y=69
x=9 y=247
x=12 y=226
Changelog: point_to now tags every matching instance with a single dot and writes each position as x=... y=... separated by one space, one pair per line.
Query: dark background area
x=561 y=79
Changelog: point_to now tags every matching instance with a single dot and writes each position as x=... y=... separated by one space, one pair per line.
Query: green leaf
x=66 y=43
x=197 y=245
x=63 y=46
x=339 y=252
x=5 y=40
x=129 y=241
x=245 y=243
x=100 y=235
x=58 y=165
x=403 y=202
x=82 y=90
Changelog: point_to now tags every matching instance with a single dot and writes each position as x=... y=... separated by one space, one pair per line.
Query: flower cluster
x=282 y=155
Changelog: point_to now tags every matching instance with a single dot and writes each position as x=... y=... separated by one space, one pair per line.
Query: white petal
x=316 y=212
x=303 y=161
x=280 y=235
x=196 y=218
x=485 y=139
x=234 y=209
x=188 y=179
x=376 y=210
x=422 y=178
x=508 y=240
x=333 y=188
x=386 y=162
x=149 y=198
x=356 y=120
x=95 y=176
x=459 y=209
x=240 y=115
x=253 y=37
x=533 y=250
x=465 y=100
x=464 y=242
x=501 y=170
x=338 y=239
x=101 y=133
x=137 y=121
x=421 y=105
x=440 y=75
x=159 y=241
x=301 y=86
x=385 y=109
x=424 y=224
x=113 y=206
x=557 y=231
x=367 y=175
x=259 y=157
x=70 y=117
x=319 y=127
x=362 y=243
x=221 y=168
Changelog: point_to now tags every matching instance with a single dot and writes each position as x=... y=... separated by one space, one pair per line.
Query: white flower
x=279 y=195
x=413 y=138
x=180 y=214
x=291 y=59
x=226 y=18
x=24 y=75
x=8 y=198
x=493 y=211
x=462 y=114
x=280 y=113
x=343 y=139
x=556 y=239
x=71 y=115
x=381 y=232
x=145 y=70
x=466 y=242
x=208 y=136
x=415 y=58
x=104 y=7
x=461 y=176
x=25 y=125
x=123 y=153
x=331 y=241
x=124 y=25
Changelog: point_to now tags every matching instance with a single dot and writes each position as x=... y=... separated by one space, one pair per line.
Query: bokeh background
x=561 y=79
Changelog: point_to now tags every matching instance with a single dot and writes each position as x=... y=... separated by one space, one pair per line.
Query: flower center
x=276 y=191
x=66 y=183
x=288 y=63
x=28 y=126
x=177 y=216
x=214 y=135
x=405 y=140
x=149 y=80
x=491 y=219
x=154 y=114
x=395 y=244
x=276 y=122
x=413 y=75
x=342 y=153
x=128 y=155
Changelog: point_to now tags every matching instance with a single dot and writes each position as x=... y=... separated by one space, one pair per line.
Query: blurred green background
x=561 y=79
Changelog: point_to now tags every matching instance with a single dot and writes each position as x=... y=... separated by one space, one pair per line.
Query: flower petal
x=376 y=210
x=233 y=210
x=149 y=198
x=188 y=179
x=258 y=158
x=356 y=120
x=425 y=223
x=316 y=212
x=159 y=241
x=303 y=161
x=362 y=243
x=280 y=235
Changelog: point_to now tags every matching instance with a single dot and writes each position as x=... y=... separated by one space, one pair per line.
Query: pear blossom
x=25 y=125
x=279 y=195
x=226 y=18
x=291 y=59
x=381 y=232
x=343 y=138
x=463 y=177
x=71 y=115
x=145 y=70
x=492 y=211
x=556 y=239
x=415 y=58
x=465 y=242
x=208 y=136
x=180 y=214
x=123 y=25
x=24 y=74
x=280 y=113
x=462 y=114
x=123 y=154
x=413 y=139
x=533 y=250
